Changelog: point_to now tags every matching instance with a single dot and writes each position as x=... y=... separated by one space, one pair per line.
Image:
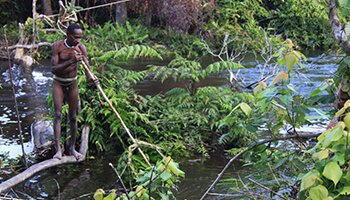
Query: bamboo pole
x=87 y=69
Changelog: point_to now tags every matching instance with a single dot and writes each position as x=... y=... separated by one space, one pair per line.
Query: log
x=48 y=163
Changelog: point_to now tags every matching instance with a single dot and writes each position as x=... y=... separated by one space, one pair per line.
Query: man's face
x=75 y=37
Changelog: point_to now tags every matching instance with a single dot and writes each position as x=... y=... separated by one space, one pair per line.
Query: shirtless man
x=66 y=55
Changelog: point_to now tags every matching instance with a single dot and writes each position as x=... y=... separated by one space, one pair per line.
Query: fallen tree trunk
x=48 y=163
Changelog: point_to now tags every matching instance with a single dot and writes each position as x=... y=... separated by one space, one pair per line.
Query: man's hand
x=77 y=57
x=94 y=81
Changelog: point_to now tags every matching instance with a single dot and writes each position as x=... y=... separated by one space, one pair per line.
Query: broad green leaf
x=319 y=192
x=345 y=190
x=343 y=109
x=111 y=195
x=291 y=58
x=333 y=172
x=347 y=176
x=347 y=120
x=321 y=154
x=173 y=166
x=245 y=108
x=261 y=86
x=165 y=175
x=309 y=179
x=140 y=191
x=98 y=195
x=331 y=135
x=282 y=76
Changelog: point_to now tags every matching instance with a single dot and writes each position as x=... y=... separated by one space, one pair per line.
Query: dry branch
x=229 y=163
x=28 y=46
x=48 y=163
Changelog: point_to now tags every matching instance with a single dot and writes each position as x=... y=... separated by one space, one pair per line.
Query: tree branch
x=48 y=163
x=229 y=163
x=28 y=46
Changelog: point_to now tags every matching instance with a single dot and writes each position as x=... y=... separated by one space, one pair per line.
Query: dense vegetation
x=191 y=120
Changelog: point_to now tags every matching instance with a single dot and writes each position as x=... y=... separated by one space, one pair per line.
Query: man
x=66 y=55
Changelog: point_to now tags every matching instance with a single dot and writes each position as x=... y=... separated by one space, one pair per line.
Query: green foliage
x=306 y=22
x=112 y=36
x=344 y=7
x=330 y=171
x=240 y=20
x=12 y=11
x=154 y=182
x=342 y=75
x=130 y=52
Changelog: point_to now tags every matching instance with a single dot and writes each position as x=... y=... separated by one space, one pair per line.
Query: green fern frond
x=134 y=77
x=162 y=72
x=220 y=66
x=134 y=51
x=184 y=64
x=106 y=56
x=225 y=138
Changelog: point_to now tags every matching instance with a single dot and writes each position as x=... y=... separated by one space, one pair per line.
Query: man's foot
x=76 y=154
x=58 y=155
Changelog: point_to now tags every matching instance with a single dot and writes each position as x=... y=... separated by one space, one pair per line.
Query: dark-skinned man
x=66 y=55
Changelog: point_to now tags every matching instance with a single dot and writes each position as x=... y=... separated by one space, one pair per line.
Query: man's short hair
x=74 y=26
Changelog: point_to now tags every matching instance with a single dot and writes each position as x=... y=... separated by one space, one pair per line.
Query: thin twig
x=82 y=196
x=265 y=188
x=224 y=195
x=150 y=181
x=58 y=189
x=16 y=104
x=120 y=179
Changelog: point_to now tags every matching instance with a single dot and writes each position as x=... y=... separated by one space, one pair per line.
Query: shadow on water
x=72 y=181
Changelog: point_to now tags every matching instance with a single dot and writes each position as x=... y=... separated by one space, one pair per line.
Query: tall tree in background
x=47 y=7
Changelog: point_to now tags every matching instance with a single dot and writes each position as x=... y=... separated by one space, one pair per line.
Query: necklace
x=65 y=43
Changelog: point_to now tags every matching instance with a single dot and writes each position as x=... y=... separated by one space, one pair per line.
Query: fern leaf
x=220 y=66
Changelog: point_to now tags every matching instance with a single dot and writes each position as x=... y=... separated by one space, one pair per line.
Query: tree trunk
x=337 y=27
x=47 y=7
x=120 y=13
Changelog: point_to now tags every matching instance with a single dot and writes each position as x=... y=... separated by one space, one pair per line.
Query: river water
x=81 y=180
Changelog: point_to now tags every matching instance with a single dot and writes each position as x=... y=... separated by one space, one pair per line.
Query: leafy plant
x=329 y=177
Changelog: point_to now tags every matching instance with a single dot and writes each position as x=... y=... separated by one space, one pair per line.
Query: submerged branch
x=48 y=163
x=229 y=163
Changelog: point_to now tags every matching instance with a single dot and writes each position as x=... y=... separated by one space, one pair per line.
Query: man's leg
x=73 y=108
x=57 y=95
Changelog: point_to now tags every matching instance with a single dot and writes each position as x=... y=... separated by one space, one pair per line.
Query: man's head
x=74 y=34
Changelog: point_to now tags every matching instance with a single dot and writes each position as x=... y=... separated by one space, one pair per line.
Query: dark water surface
x=81 y=180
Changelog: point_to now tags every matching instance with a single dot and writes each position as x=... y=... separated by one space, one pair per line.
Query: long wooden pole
x=87 y=69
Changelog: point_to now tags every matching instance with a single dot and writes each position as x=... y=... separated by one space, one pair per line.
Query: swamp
x=201 y=99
